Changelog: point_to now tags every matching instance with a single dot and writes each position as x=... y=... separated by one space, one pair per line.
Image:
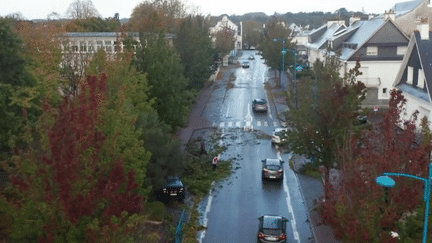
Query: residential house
x=414 y=77
x=378 y=43
x=226 y=23
x=408 y=13
x=318 y=39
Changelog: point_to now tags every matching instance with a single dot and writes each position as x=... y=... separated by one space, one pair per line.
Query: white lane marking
x=290 y=208
x=207 y=210
x=227 y=112
x=210 y=197
x=230 y=124
x=275 y=124
x=222 y=124
x=258 y=123
x=268 y=104
x=238 y=124
x=248 y=120
x=266 y=124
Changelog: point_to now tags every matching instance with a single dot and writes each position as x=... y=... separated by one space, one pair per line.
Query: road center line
x=290 y=208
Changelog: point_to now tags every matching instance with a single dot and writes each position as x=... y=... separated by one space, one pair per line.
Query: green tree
x=17 y=89
x=251 y=35
x=128 y=98
x=167 y=156
x=196 y=52
x=327 y=108
x=164 y=71
x=271 y=45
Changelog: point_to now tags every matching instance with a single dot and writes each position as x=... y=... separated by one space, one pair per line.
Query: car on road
x=173 y=188
x=272 y=228
x=277 y=134
x=245 y=65
x=272 y=169
x=251 y=57
x=259 y=105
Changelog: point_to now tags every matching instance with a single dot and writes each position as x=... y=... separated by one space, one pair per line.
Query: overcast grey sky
x=39 y=9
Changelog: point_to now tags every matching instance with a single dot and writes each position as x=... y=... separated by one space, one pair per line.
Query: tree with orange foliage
x=358 y=209
x=157 y=15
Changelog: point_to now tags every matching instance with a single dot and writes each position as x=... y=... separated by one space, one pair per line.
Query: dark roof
x=424 y=48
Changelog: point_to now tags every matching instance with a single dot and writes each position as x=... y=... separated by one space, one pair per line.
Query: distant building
x=407 y=14
x=91 y=42
x=226 y=23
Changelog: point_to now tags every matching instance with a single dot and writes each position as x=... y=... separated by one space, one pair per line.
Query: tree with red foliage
x=64 y=193
x=358 y=209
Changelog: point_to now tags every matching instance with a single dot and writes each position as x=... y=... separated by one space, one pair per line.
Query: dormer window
x=372 y=50
x=421 y=79
x=410 y=75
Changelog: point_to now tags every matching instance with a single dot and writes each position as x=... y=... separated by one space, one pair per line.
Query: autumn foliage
x=63 y=193
x=358 y=209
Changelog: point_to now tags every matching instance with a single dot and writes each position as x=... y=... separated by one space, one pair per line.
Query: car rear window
x=260 y=102
x=272 y=223
x=273 y=167
x=272 y=231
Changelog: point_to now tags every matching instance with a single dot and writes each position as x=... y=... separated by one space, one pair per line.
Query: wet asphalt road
x=231 y=210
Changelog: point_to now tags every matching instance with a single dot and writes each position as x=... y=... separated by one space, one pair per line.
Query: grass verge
x=198 y=178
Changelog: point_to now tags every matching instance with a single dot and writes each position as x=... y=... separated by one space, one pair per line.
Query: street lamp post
x=295 y=67
x=388 y=182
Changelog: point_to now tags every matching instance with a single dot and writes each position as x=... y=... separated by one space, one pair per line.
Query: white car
x=276 y=137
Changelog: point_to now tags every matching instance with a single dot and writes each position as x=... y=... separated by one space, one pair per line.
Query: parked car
x=259 y=105
x=173 y=188
x=245 y=65
x=272 y=169
x=277 y=133
x=272 y=228
x=251 y=57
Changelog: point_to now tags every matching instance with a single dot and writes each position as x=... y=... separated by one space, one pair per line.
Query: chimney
x=389 y=15
x=423 y=28
x=354 y=19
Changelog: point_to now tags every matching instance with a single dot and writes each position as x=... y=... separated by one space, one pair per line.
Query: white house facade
x=226 y=23
x=414 y=78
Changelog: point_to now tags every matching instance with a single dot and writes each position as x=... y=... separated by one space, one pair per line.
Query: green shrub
x=156 y=210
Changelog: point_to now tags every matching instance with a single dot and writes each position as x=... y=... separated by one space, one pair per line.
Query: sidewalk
x=195 y=119
x=310 y=187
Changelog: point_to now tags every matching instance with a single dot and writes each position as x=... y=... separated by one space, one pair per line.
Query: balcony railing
x=370 y=82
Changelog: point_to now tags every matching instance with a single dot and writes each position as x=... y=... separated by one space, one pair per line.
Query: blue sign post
x=388 y=182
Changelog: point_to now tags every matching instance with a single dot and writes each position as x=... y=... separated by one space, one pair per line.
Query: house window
x=421 y=79
x=65 y=46
x=372 y=50
x=99 y=45
x=83 y=46
x=108 y=46
x=410 y=75
x=401 y=50
x=90 y=47
x=385 y=91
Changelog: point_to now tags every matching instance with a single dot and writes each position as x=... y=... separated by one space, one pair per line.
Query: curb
x=311 y=223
